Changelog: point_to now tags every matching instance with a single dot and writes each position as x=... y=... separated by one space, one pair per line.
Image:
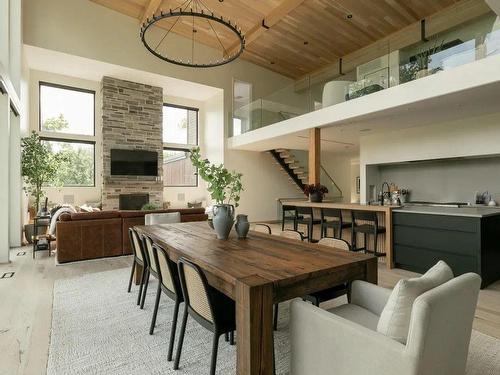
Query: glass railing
x=375 y=68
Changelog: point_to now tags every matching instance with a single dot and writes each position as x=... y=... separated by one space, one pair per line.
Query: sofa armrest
x=324 y=343
x=369 y=296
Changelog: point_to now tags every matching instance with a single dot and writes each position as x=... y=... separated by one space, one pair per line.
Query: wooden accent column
x=314 y=155
x=254 y=324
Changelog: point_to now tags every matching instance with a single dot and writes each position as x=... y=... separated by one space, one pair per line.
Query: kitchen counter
x=384 y=214
x=451 y=211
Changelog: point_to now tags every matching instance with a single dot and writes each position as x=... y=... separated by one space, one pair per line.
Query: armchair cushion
x=394 y=320
x=356 y=314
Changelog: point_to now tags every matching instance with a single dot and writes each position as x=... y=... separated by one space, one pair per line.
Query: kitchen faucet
x=384 y=194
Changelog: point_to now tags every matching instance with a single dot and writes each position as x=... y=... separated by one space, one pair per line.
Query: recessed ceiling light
x=272 y=62
x=364 y=130
x=306 y=43
x=349 y=16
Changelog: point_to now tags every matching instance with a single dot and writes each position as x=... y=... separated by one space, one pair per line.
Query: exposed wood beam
x=436 y=23
x=314 y=155
x=271 y=19
x=151 y=9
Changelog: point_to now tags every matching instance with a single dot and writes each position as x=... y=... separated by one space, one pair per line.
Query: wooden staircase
x=289 y=165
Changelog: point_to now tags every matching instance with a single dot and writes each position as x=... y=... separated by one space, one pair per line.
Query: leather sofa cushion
x=98 y=215
x=65 y=217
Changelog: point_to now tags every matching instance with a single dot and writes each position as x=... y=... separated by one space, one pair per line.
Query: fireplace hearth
x=132 y=201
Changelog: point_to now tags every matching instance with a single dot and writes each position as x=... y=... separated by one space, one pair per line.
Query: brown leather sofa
x=91 y=235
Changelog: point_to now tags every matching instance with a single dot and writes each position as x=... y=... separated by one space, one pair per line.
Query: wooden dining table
x=258 y=272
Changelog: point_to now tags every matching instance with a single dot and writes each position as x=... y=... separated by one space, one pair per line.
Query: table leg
x=137 y=274
x=254 y=325
x=372 y=271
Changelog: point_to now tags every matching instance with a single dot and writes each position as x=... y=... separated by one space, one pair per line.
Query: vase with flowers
x=315 y=192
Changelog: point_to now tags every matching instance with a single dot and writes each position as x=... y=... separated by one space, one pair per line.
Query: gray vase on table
x=242 y=226
x=223 y=220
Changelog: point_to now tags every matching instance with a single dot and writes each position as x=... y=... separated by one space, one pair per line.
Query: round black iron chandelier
x=200 y=27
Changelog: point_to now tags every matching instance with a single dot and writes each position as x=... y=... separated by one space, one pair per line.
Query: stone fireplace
x=131 y=120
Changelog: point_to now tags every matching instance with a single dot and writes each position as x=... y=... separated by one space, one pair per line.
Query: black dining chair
x=366 y=222
x=169 y=284
x=206 y=305
x=305 y=216
x=288 y=213
x=332 y=218
x=139 y=261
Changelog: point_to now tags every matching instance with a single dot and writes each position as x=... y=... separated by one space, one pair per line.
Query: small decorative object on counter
x=315 y=192
x=242 y=226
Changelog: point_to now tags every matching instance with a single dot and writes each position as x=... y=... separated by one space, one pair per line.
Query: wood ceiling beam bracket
x=423 y=37
x=264 y=24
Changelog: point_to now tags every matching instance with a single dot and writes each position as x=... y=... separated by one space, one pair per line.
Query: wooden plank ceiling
x=303 y=35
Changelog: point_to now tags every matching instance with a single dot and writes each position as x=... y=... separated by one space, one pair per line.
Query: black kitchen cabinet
x=466 y=243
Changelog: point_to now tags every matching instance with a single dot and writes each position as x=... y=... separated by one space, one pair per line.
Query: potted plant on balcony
x=38 y=167
x=315 y=192
x=224 y=187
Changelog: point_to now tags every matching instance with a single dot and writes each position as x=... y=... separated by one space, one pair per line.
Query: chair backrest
x=167 y=271
x=441 y=325
x=136 y=244
x=287 y=207
x=364 y=215
x=331 y=212
x=304 y=211
x=162 y=218
x=264 y=228
x=335 y=242
x=292 y=234
x=148 y=247
x=195 y=289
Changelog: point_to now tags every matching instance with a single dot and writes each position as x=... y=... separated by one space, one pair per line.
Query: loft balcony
x=444 y=73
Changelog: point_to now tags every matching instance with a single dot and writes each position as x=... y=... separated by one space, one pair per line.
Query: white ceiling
x=93 y=70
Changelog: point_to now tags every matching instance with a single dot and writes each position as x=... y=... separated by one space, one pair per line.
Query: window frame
x=63 y=87
x=69 y=140
x=181 y=146
x=184 y=147
x=49 y=136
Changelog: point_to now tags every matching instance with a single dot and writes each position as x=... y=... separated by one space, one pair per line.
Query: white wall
x=472 y=136
x=4 y=176
x=15 y=182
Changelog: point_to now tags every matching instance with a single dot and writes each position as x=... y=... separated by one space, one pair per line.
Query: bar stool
x=305 y=216
x=371 y=227
x=337 y=224
x=288 y=213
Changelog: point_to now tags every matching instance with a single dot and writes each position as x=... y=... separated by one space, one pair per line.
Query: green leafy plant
x=224 y=186
x=150 y=207
x=38 y=166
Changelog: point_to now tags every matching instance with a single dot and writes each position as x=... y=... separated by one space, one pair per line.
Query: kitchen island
x=467 y=238
x=385 y=243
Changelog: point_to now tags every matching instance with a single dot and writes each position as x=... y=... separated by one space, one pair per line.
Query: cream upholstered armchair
x=345 y=341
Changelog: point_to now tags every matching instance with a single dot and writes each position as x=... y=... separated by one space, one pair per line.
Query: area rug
x=97 y=328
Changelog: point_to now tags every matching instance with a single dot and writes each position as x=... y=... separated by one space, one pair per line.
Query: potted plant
x=315 y=192
x=224 y=187
x=38 y=167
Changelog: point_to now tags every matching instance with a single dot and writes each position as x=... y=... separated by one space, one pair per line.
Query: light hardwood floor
x=26 y=305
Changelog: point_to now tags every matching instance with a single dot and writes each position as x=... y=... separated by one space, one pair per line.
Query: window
x=180 y=134
x=67 y=126
x=178 y=169
x=242 y=98
x=180 y=125
x=66 y=110
x=77 y=167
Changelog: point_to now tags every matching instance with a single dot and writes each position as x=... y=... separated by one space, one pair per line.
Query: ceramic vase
x=242 y=226
x=316 y=197
x=223 y=220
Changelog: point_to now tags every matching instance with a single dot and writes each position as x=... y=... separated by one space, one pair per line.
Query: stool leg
x=375 y=238
x=364 y=245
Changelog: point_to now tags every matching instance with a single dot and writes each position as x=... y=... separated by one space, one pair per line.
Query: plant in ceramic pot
x=315 y=192
x=224 y=187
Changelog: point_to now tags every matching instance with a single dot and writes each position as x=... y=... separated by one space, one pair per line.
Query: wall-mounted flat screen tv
x=134 y=163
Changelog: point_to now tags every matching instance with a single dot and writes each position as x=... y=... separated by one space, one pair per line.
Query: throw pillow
x=394 y=321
